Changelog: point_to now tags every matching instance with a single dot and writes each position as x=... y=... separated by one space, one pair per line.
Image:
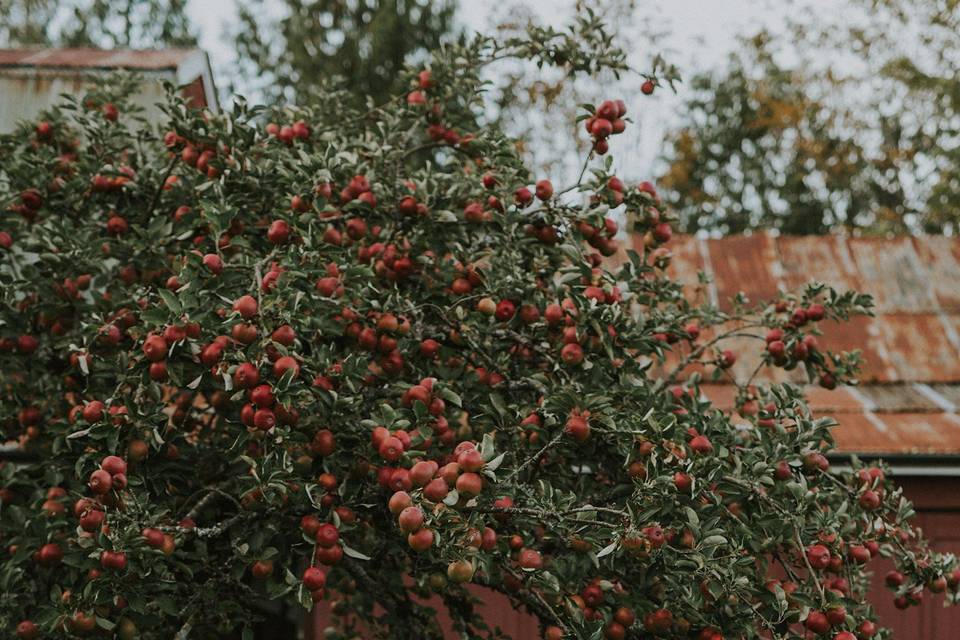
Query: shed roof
x=907 y=402
x=90 y=58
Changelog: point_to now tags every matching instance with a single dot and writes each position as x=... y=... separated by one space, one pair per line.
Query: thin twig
x=541 y=602
x=801 y=550
x=561 y=515
x=163 y=182
x=583 y=171
x=696 y=353
x=526 y=463
x=17 y=454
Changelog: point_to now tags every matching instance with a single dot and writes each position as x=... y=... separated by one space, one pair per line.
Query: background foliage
x=838 y=122
x=96 y=23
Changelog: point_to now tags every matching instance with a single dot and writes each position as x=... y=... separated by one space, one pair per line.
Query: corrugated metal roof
x=942 y=257
x=910 y=392
x=88 y=58
x=744 y=264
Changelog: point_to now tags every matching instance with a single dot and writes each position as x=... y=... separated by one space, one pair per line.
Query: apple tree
x=363 y=357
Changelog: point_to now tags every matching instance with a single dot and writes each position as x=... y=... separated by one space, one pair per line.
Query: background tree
x=293 y=361
x=828 y=125
x=761 y=148
x=97 y=23
x=364 y=44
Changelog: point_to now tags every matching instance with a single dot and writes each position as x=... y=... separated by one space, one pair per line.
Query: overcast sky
x=699 y=33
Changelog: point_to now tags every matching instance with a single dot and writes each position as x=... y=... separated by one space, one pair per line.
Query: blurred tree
x=857 y=129
x=762 y=147
x=365 y=43
x=99 y=23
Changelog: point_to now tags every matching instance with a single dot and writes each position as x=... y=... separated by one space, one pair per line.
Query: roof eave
x=905 y=464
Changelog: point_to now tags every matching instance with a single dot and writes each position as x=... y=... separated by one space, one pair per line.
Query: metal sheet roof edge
x=919 y=470
x=928 y=460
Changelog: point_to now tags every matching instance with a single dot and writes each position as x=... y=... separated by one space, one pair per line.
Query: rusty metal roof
x=89 y=58
x=907 y=402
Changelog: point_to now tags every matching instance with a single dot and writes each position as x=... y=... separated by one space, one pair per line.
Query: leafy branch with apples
x=362 y=357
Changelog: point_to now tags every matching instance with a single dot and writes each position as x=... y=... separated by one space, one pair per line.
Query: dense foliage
x=95 y=23
x=294 y=50
x=361 y=356
x=845 y=120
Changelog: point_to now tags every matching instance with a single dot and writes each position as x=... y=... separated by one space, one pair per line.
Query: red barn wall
x=937 y=501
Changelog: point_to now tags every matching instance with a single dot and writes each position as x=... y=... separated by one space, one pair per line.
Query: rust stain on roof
x=897 y=398
x=923 y=429
x=919 y=348
x=915 y=335
x=941 y=258
x=685 y=266
x=744 y=264
x=82 y=57
x=823 y=258
x=839 y=400
x=863 y=333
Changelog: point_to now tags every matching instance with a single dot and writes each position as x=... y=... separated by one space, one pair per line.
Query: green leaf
x=353 y=553
x=171 y=301
x=713 y=541
x=494 y=464
x=496 y=400
x=104 y=623
x=451 y=397
x=167 y=605
x=487 y=447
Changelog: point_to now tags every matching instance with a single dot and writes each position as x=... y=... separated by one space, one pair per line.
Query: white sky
x=699 y=33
